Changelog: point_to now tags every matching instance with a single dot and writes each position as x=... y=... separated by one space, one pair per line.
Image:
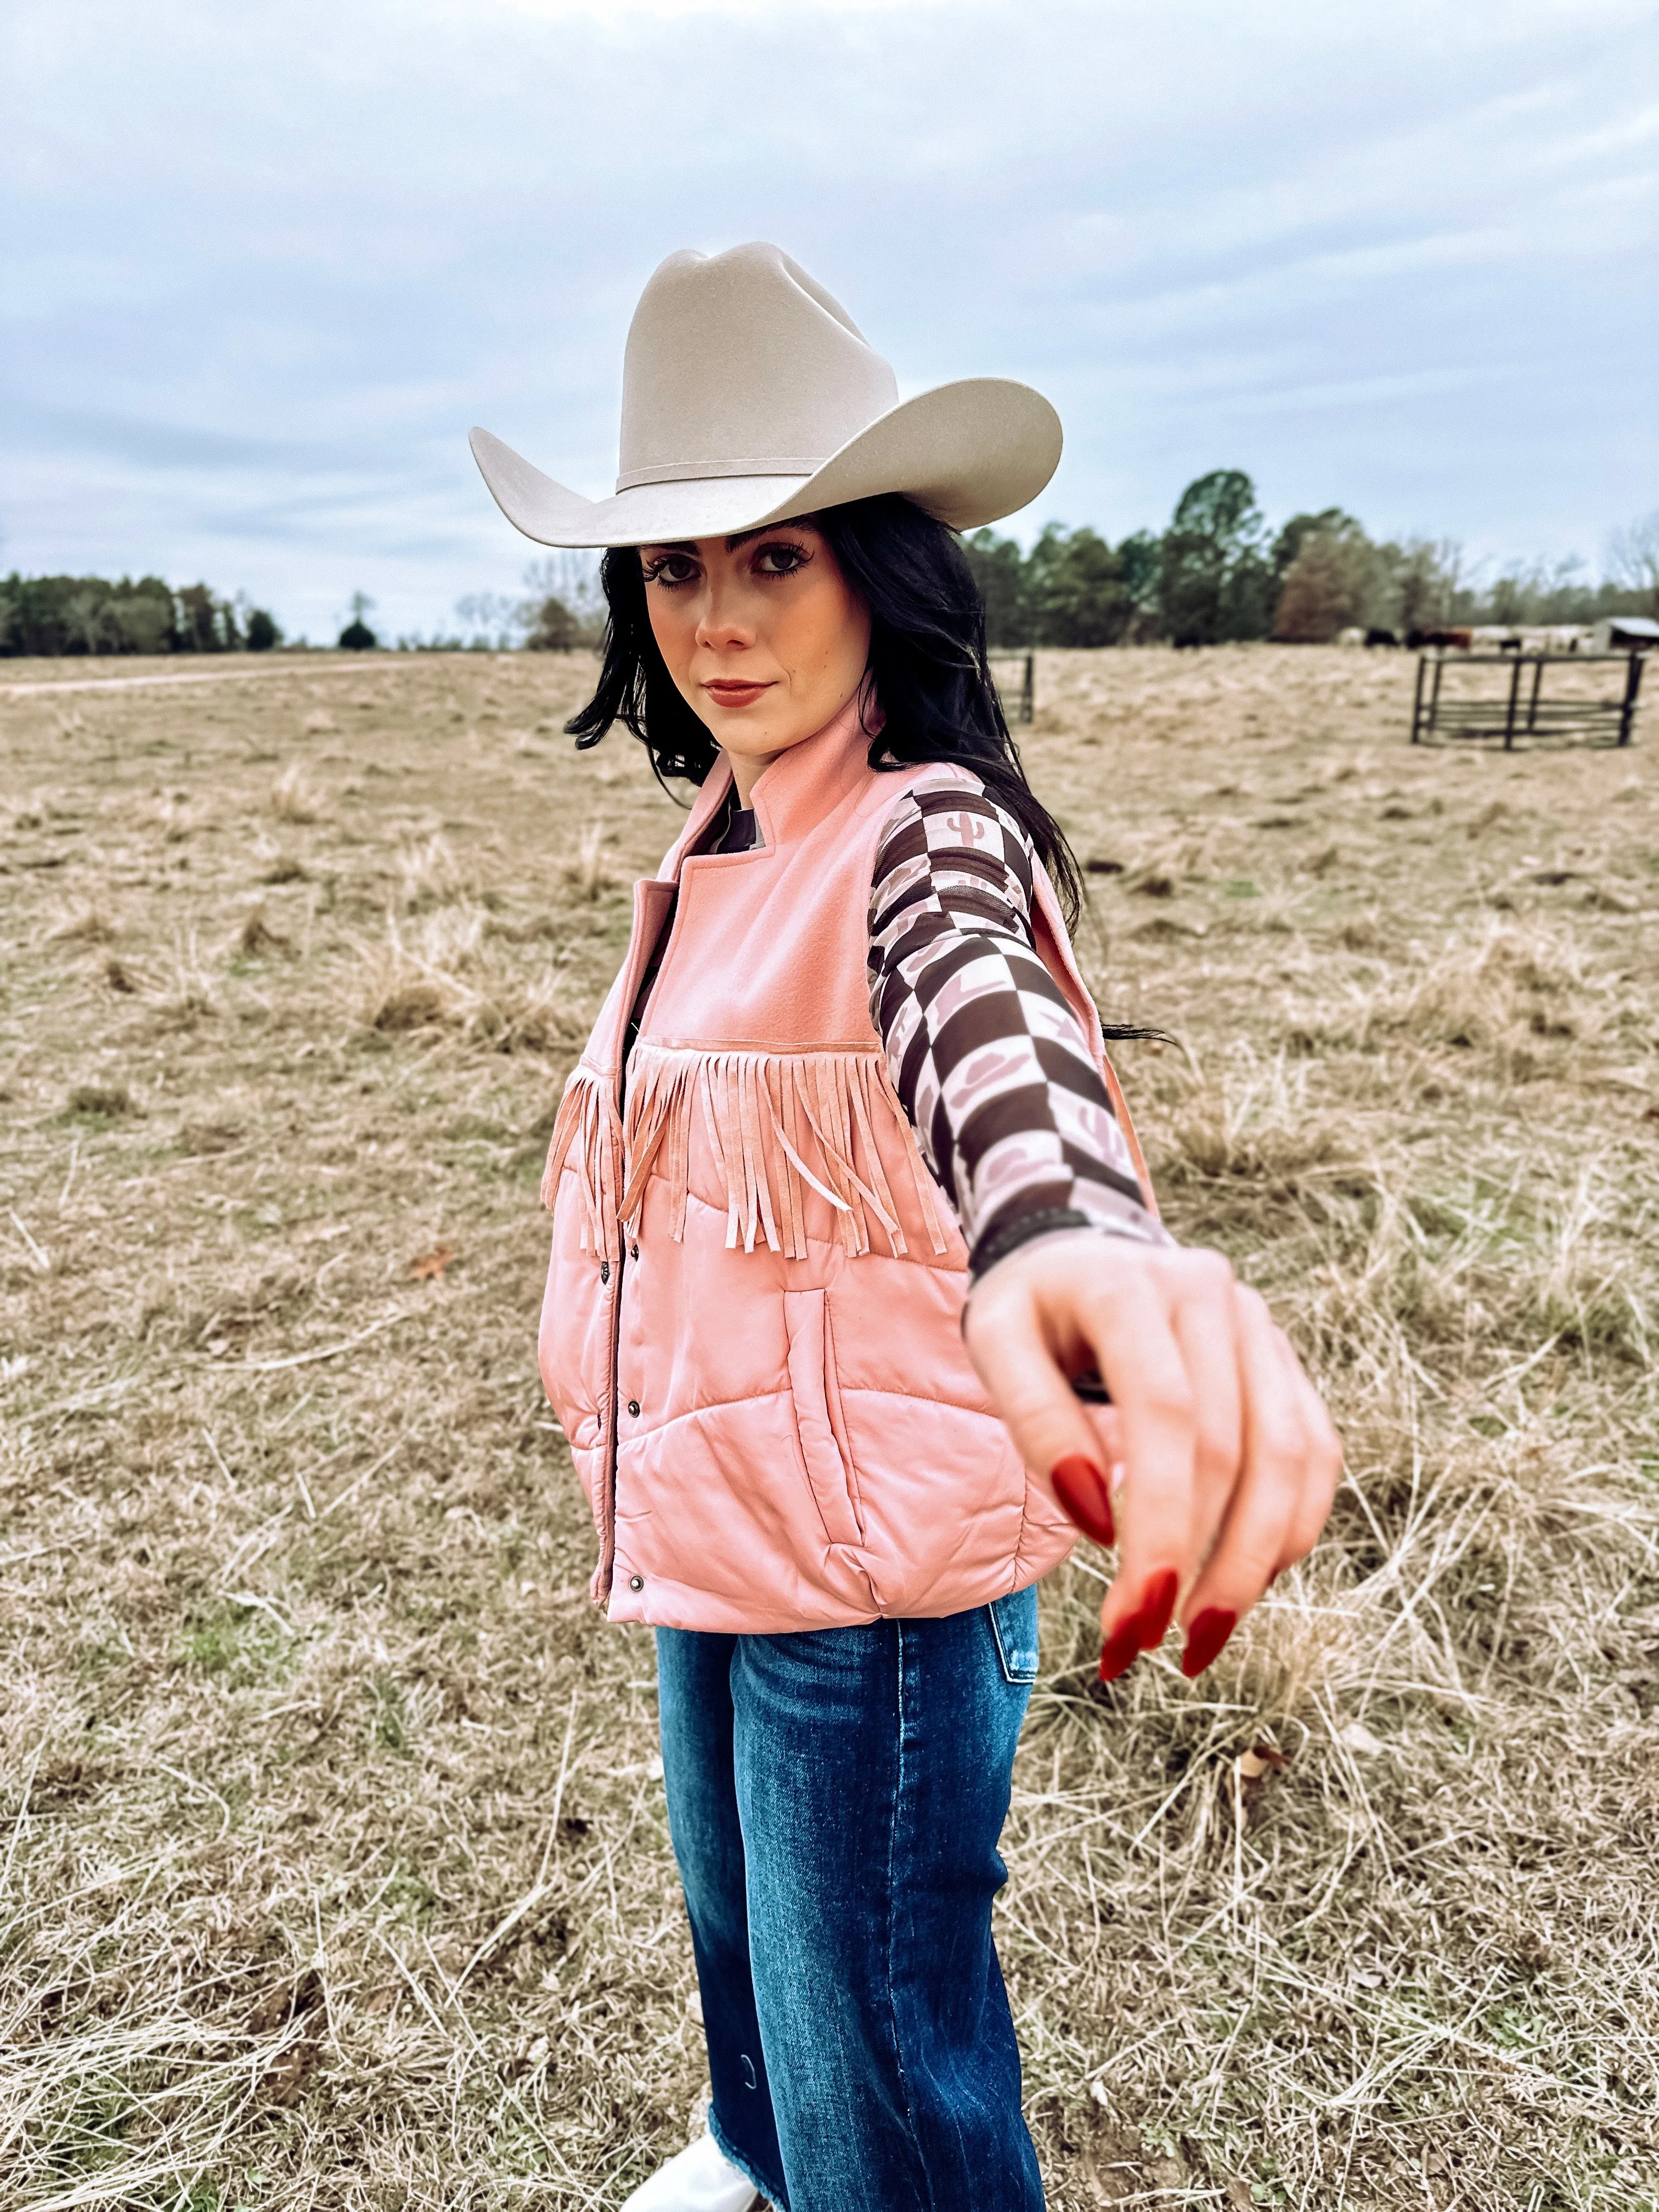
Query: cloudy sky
x=260 y=267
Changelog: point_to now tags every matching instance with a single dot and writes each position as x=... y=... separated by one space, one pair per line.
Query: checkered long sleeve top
x=986 y=1055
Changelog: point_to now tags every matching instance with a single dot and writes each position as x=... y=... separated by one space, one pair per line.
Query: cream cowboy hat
x=749 y=395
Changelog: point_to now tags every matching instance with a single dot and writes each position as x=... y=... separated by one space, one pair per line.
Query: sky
x=261 y=269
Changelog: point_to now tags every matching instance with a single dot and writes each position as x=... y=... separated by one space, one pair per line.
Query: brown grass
x=333 y=1866
x=292 y=799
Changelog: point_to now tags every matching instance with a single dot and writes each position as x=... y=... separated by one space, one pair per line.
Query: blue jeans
x=835 y=1798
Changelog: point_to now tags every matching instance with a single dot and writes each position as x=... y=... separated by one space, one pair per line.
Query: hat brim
x=971 y=453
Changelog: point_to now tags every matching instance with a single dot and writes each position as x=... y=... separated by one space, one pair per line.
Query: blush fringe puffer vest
x=751 y=1333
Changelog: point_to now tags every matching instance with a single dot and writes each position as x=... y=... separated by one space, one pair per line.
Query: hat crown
x=739 y=364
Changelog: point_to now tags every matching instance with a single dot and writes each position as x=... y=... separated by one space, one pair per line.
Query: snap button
x=634 y=1407
x=636 y=1582
x=605 y=1271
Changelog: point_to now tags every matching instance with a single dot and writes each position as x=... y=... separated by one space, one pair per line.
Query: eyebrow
x=738 y=538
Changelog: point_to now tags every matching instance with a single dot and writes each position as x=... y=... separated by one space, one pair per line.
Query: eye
x=780 y=557
x=668 y=571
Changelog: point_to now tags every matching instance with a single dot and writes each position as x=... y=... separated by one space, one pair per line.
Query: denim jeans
x=835 y=1798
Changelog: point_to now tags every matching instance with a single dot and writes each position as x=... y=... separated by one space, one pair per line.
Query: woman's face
x=764 y=634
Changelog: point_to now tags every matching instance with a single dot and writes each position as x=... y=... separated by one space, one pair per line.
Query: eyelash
x=654 y=570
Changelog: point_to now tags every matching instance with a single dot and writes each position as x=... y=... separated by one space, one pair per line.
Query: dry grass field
x=333 y=1863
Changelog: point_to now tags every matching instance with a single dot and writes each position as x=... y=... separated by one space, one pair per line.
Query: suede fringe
x=587 y=1128
x=774 y=1123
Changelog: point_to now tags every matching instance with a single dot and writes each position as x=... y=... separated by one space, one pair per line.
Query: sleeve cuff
x=1007 y=1235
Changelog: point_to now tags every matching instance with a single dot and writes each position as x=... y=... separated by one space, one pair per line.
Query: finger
x=1324 y=1471
x=1024 y=1346
x=1205 y=1326
x=1087 y=1487
x=1109 y=1430
x=1136 y=1348
x=1278 y=1452
x=1059 y=1438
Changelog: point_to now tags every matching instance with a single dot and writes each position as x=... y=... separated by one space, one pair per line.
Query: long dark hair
x=927 y=669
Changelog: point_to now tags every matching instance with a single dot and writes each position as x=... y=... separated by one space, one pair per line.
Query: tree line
x=1218 y=574
x=51 y=615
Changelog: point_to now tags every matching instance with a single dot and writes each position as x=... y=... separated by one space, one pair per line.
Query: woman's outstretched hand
x=1215 y=1464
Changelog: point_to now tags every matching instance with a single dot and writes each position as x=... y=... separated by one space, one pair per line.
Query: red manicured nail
x=1081 y=1489
x=1141 y=1631
x=1206 y=1638
x=1121 y=1649
x=1157 y=1605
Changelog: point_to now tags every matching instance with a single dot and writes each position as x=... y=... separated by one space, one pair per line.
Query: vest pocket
x=818 y=1427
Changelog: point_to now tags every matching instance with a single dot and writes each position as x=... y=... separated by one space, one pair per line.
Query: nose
x=720 y=624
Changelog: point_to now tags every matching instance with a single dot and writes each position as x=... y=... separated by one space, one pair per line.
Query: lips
x=726 y=692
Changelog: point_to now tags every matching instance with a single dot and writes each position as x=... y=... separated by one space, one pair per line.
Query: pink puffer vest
x=751 y=1332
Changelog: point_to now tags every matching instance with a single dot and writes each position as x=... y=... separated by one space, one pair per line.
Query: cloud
x=261 y=269
x=675 y=11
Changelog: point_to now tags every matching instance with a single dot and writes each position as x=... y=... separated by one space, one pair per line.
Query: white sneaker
x=701 y=2179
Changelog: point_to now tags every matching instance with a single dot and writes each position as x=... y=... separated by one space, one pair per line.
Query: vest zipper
x=616 y=1400
x=634 y=966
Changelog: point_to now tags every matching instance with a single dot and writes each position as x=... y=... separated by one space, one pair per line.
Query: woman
x=845 y=1203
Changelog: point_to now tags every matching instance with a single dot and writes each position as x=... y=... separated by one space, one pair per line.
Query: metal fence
x=1518 y=712
x=1019 y=706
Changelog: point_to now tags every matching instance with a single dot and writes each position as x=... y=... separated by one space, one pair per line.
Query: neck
x=747 y=770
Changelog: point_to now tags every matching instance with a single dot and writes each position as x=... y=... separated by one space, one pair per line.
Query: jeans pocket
x=1014 y=1625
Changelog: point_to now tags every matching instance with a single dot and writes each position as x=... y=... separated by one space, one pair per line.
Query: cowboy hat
x=749 y=395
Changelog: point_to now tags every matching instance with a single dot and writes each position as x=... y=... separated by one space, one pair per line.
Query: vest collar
x=809 y=781
x=801 y=787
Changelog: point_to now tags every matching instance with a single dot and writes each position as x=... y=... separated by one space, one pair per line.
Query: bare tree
x=489 y=621
x=565 y=606
x=1634 y=556
x=1336 y=580
x=1427 y=576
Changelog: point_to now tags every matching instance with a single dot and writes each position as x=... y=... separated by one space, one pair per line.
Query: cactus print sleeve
x=986 y=1054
